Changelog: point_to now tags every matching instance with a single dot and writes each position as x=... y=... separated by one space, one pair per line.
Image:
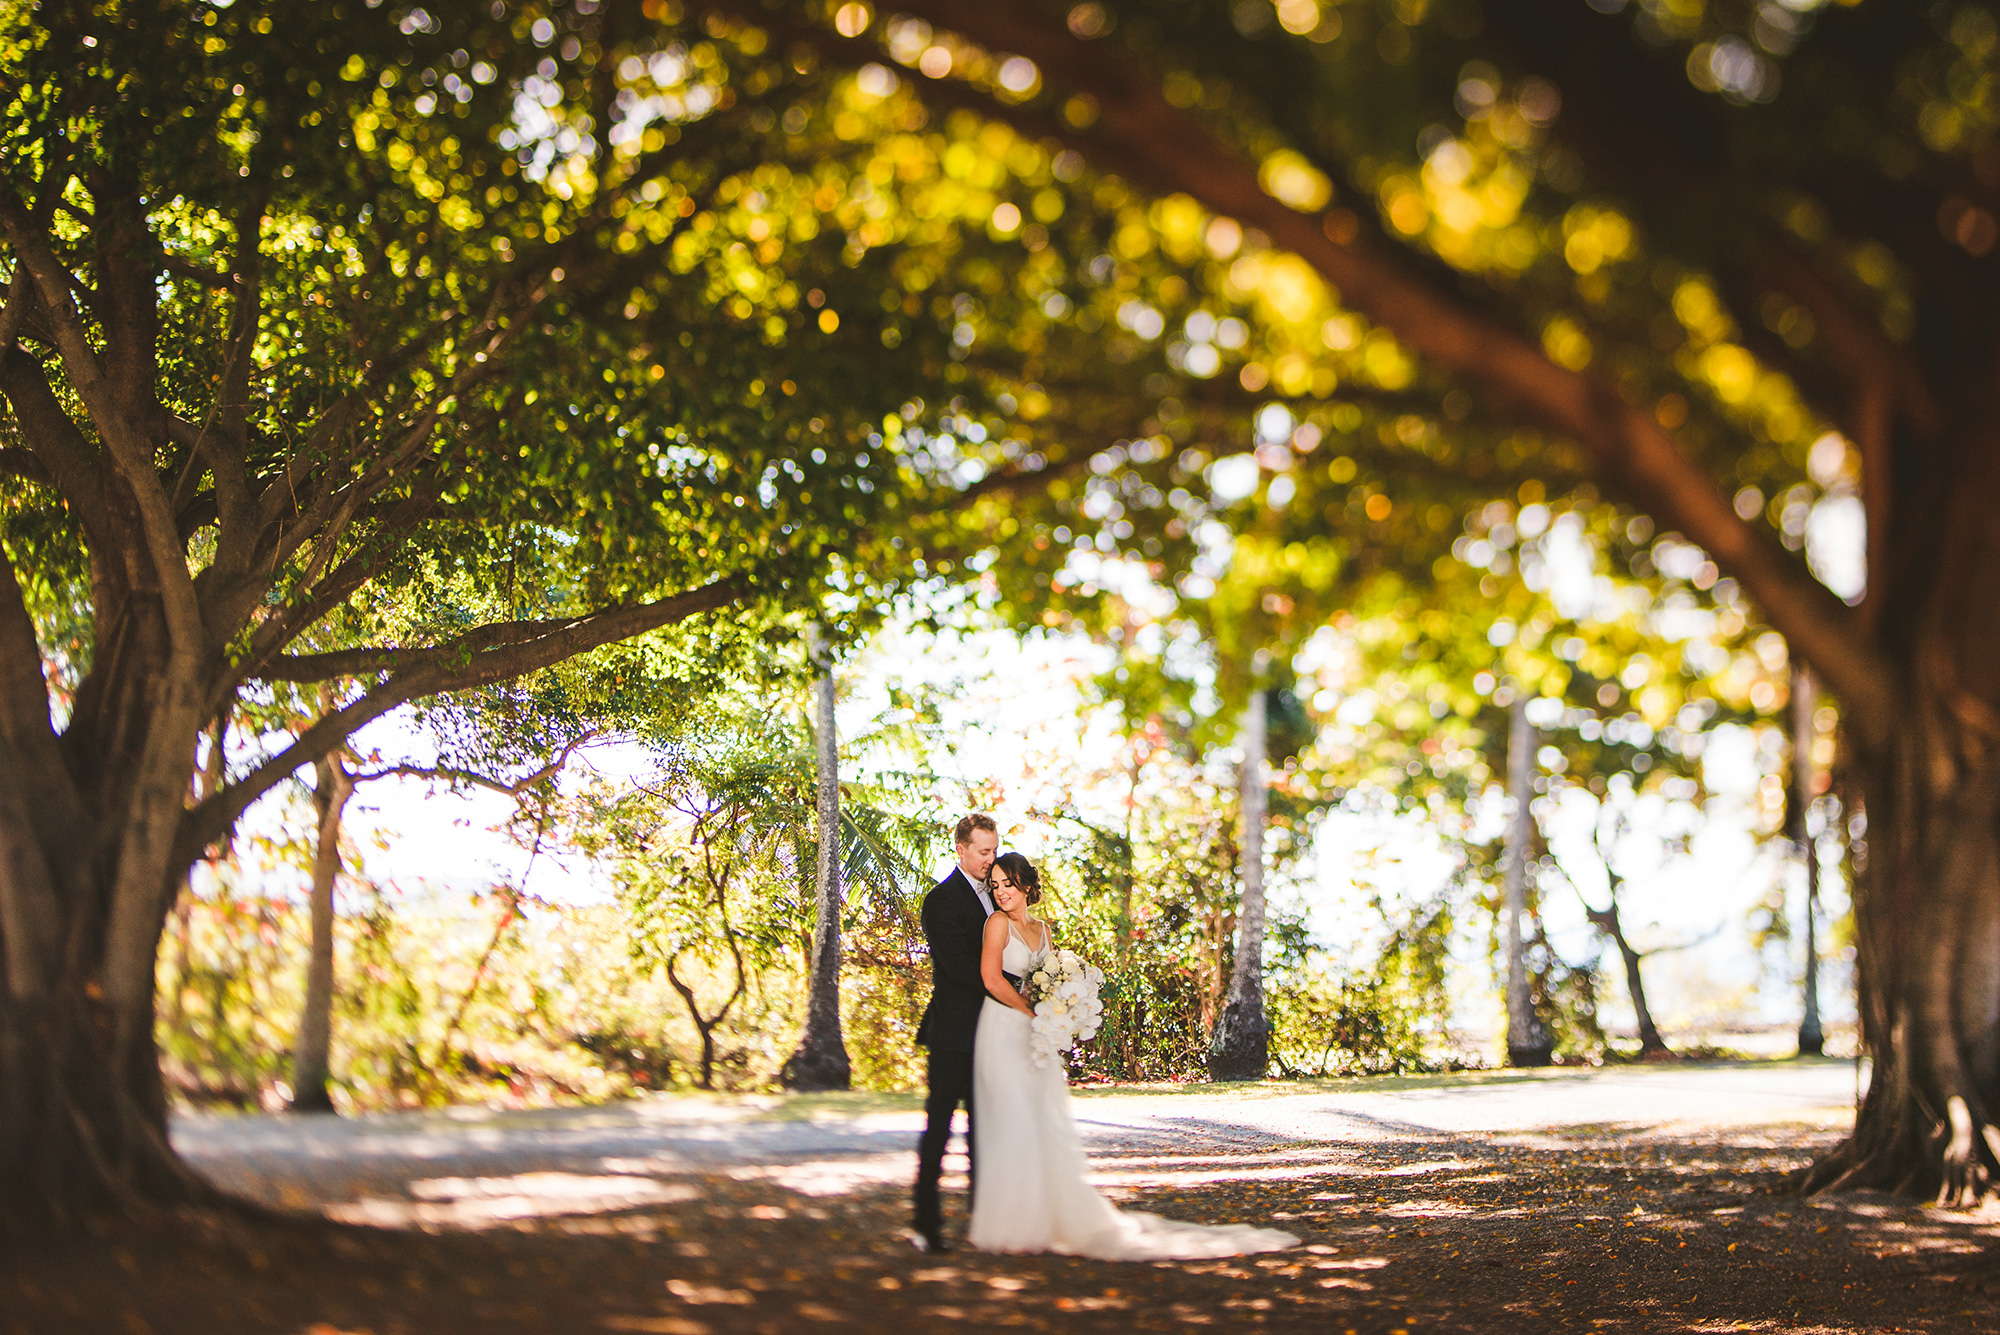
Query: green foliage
x=1339 y=1012
x=380 y=1010
x=1323 y=1024
x=583 y=304
x=564 y=1015
x=796 y=336
x=1565 y=995
x=882 y=994
x=554 y=1014
x=1154 y=908
x=227 y=1001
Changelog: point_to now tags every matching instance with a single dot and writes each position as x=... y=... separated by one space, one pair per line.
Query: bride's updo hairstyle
x=1023 y=874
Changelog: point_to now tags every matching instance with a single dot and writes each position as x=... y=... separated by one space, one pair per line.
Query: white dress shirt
x=979 y=888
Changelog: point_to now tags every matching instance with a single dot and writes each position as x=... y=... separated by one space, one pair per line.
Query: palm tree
x=1529 y=1042
x=313 y=1045
x=874 y=850
x=761 y=766
x=1805 y=702
x=1239 y=1049
x=820 y=1061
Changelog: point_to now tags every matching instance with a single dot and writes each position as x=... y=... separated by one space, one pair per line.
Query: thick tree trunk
x=82 y=1109
x=1239 y=1048
x=87 y=879
x=1528 y=1040
x=97 y=829
x=313 y=1046
x=1805 y=700
x=820 y=1061
x=74 y=1139
x=96 y=837
x=1928 y=919
x=1927 y=900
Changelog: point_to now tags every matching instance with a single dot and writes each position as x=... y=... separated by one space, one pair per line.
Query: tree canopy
x=399 y=350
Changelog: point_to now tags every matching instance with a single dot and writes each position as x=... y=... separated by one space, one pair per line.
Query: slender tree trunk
x=1607 y=921
x=1134 y=1018
x=706 y=1025
x=1122 y=928
x=1528 y=1039
x=1239 y=1049
x=707 y=1053
x=214 y=770
x=1805 y=700
x=311 y=1049
x=820 y=1061
x=1812 y=1036
x=1219 y=940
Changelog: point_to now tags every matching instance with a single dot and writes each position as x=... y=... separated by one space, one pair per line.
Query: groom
x=955 y=913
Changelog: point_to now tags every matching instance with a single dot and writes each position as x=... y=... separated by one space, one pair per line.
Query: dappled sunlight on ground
x=458 y=1202
x=725 y=1217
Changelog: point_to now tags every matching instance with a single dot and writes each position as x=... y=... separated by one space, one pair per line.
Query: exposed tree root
x=80 y=1150
x=1954 y=1160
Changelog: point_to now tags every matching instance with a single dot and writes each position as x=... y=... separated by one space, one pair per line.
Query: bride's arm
x=990 y=949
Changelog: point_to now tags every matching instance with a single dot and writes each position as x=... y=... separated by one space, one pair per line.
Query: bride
x=1028 y=1155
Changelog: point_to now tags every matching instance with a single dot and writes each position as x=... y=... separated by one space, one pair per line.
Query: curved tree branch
x=122 y=437
x=24 y=465
x=1164 y=149
x=66 y=458
x=469 y=661
x=24 y=710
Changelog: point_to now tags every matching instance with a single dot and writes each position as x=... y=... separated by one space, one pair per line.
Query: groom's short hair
x=978 y=820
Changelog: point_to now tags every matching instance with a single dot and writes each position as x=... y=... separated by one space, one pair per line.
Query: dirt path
x=1627 y=1199
x=465 y=1166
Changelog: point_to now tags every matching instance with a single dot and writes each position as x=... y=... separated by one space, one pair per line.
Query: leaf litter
x=1461 y=1233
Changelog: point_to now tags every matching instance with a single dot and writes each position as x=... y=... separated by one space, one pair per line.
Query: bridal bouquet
x=1063 y=990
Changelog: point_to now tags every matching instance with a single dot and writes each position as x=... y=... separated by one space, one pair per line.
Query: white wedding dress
x=1033 y=1195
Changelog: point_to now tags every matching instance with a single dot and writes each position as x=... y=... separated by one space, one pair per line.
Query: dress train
x=1034 y=1193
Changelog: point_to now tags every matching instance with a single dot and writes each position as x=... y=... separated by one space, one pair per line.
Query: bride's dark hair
x=1023 y=874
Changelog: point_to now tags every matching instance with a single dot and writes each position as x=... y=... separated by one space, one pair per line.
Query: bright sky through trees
x=1403 y=365
x=1023 y=729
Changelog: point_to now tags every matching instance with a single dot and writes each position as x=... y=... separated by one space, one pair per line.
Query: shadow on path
x=717 y=1218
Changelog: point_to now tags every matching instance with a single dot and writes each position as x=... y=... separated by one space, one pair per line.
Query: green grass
x=780 y=1106
x=852 y=1103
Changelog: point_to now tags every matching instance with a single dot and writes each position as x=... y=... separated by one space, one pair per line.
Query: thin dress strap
x=1015 y=932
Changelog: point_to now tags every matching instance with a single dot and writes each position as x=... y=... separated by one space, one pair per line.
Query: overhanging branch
x=456 y=775
x=24 y=465
x=126 y=444
x=461 y=664
x=67 y=459
x=1165 y=149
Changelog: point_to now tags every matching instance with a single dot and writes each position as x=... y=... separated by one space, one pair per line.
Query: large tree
x=390 y=353
x=1675 y=243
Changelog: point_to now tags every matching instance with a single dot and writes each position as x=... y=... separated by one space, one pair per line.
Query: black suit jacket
x=954 y=928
